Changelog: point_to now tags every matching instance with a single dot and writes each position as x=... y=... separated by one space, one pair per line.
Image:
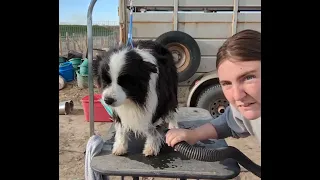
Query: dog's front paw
x=151 y=150
x=119 y=150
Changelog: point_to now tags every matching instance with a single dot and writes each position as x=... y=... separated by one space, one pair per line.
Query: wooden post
x=67 y=41
x=86 y=42
x=60 y=45
x=83 y=45
x=235 y=17
x=74 y=42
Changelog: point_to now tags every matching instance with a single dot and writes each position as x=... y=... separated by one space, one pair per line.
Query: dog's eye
x=106 y=79
x=126 y=79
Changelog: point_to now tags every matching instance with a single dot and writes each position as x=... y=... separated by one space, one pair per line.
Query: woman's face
x=241 y=84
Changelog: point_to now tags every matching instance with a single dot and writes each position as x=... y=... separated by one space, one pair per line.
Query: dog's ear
x=162 y=54
x=149 y=67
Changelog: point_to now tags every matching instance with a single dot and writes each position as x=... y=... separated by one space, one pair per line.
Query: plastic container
x=82 y=80
x=75 y=62
x=66 y=71
x=100 y=113
x=84 y=62
x=62 y=82
x=84 y=67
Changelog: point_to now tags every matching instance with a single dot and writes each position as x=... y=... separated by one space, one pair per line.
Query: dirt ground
x=74 y=133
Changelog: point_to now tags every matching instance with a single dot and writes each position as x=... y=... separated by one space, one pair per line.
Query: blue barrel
x=66 y=71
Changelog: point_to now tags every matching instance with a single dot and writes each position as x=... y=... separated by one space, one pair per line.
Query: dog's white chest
x=133 y=118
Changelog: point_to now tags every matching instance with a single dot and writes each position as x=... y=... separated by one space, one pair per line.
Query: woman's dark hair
x=243 y=46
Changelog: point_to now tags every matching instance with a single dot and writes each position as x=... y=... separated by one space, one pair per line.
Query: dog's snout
x=109 y=101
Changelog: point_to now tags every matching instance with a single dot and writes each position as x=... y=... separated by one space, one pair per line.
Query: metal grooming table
x=168 y=163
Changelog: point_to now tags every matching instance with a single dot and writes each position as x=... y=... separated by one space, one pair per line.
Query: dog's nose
x=109 y=101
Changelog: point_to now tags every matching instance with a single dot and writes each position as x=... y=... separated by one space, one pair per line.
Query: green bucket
x=84 y=67
x=82 y=80
x=75 y=62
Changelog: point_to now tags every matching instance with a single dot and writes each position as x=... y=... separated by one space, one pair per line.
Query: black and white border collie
x=140 y=84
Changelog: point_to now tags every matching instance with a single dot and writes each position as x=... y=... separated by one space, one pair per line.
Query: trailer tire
x=185 y=51
x=213 y=100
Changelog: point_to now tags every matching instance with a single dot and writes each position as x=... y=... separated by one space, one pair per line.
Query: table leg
x=135 y=178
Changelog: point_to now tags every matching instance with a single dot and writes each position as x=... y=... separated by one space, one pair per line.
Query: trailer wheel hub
x=181 y=55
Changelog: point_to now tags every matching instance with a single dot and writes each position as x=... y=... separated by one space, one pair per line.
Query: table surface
x=168 y=163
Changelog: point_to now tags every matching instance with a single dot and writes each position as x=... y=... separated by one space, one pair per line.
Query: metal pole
x=175 y=15
x=235 y=17
x=90 y=57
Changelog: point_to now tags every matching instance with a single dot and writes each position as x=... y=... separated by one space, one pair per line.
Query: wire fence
x=74 y=36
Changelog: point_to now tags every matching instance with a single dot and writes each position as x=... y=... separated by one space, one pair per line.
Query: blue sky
x=75 y=11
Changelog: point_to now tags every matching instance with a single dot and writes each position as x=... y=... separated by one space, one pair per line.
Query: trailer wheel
x=213 y=100
x=185 y=51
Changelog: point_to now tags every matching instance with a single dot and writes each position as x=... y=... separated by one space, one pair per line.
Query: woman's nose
x=238 y=93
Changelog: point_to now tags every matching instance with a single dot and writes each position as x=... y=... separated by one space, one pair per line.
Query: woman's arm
x=222 y=127
x=227 y=126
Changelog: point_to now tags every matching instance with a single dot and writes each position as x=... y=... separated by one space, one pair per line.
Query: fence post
x=84 y=45
x=86 y=42
x=60 y=45
x=74 y=42
x=102 y=42
x=67 y=41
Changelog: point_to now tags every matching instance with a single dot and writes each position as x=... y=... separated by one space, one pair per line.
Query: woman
x=239 y=70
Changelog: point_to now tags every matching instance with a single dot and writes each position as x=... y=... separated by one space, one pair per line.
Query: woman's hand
x=191 y=136
x=174 y=136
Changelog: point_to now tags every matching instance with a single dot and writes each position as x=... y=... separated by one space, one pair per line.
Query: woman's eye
x=250 y=77
x=225 y=83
